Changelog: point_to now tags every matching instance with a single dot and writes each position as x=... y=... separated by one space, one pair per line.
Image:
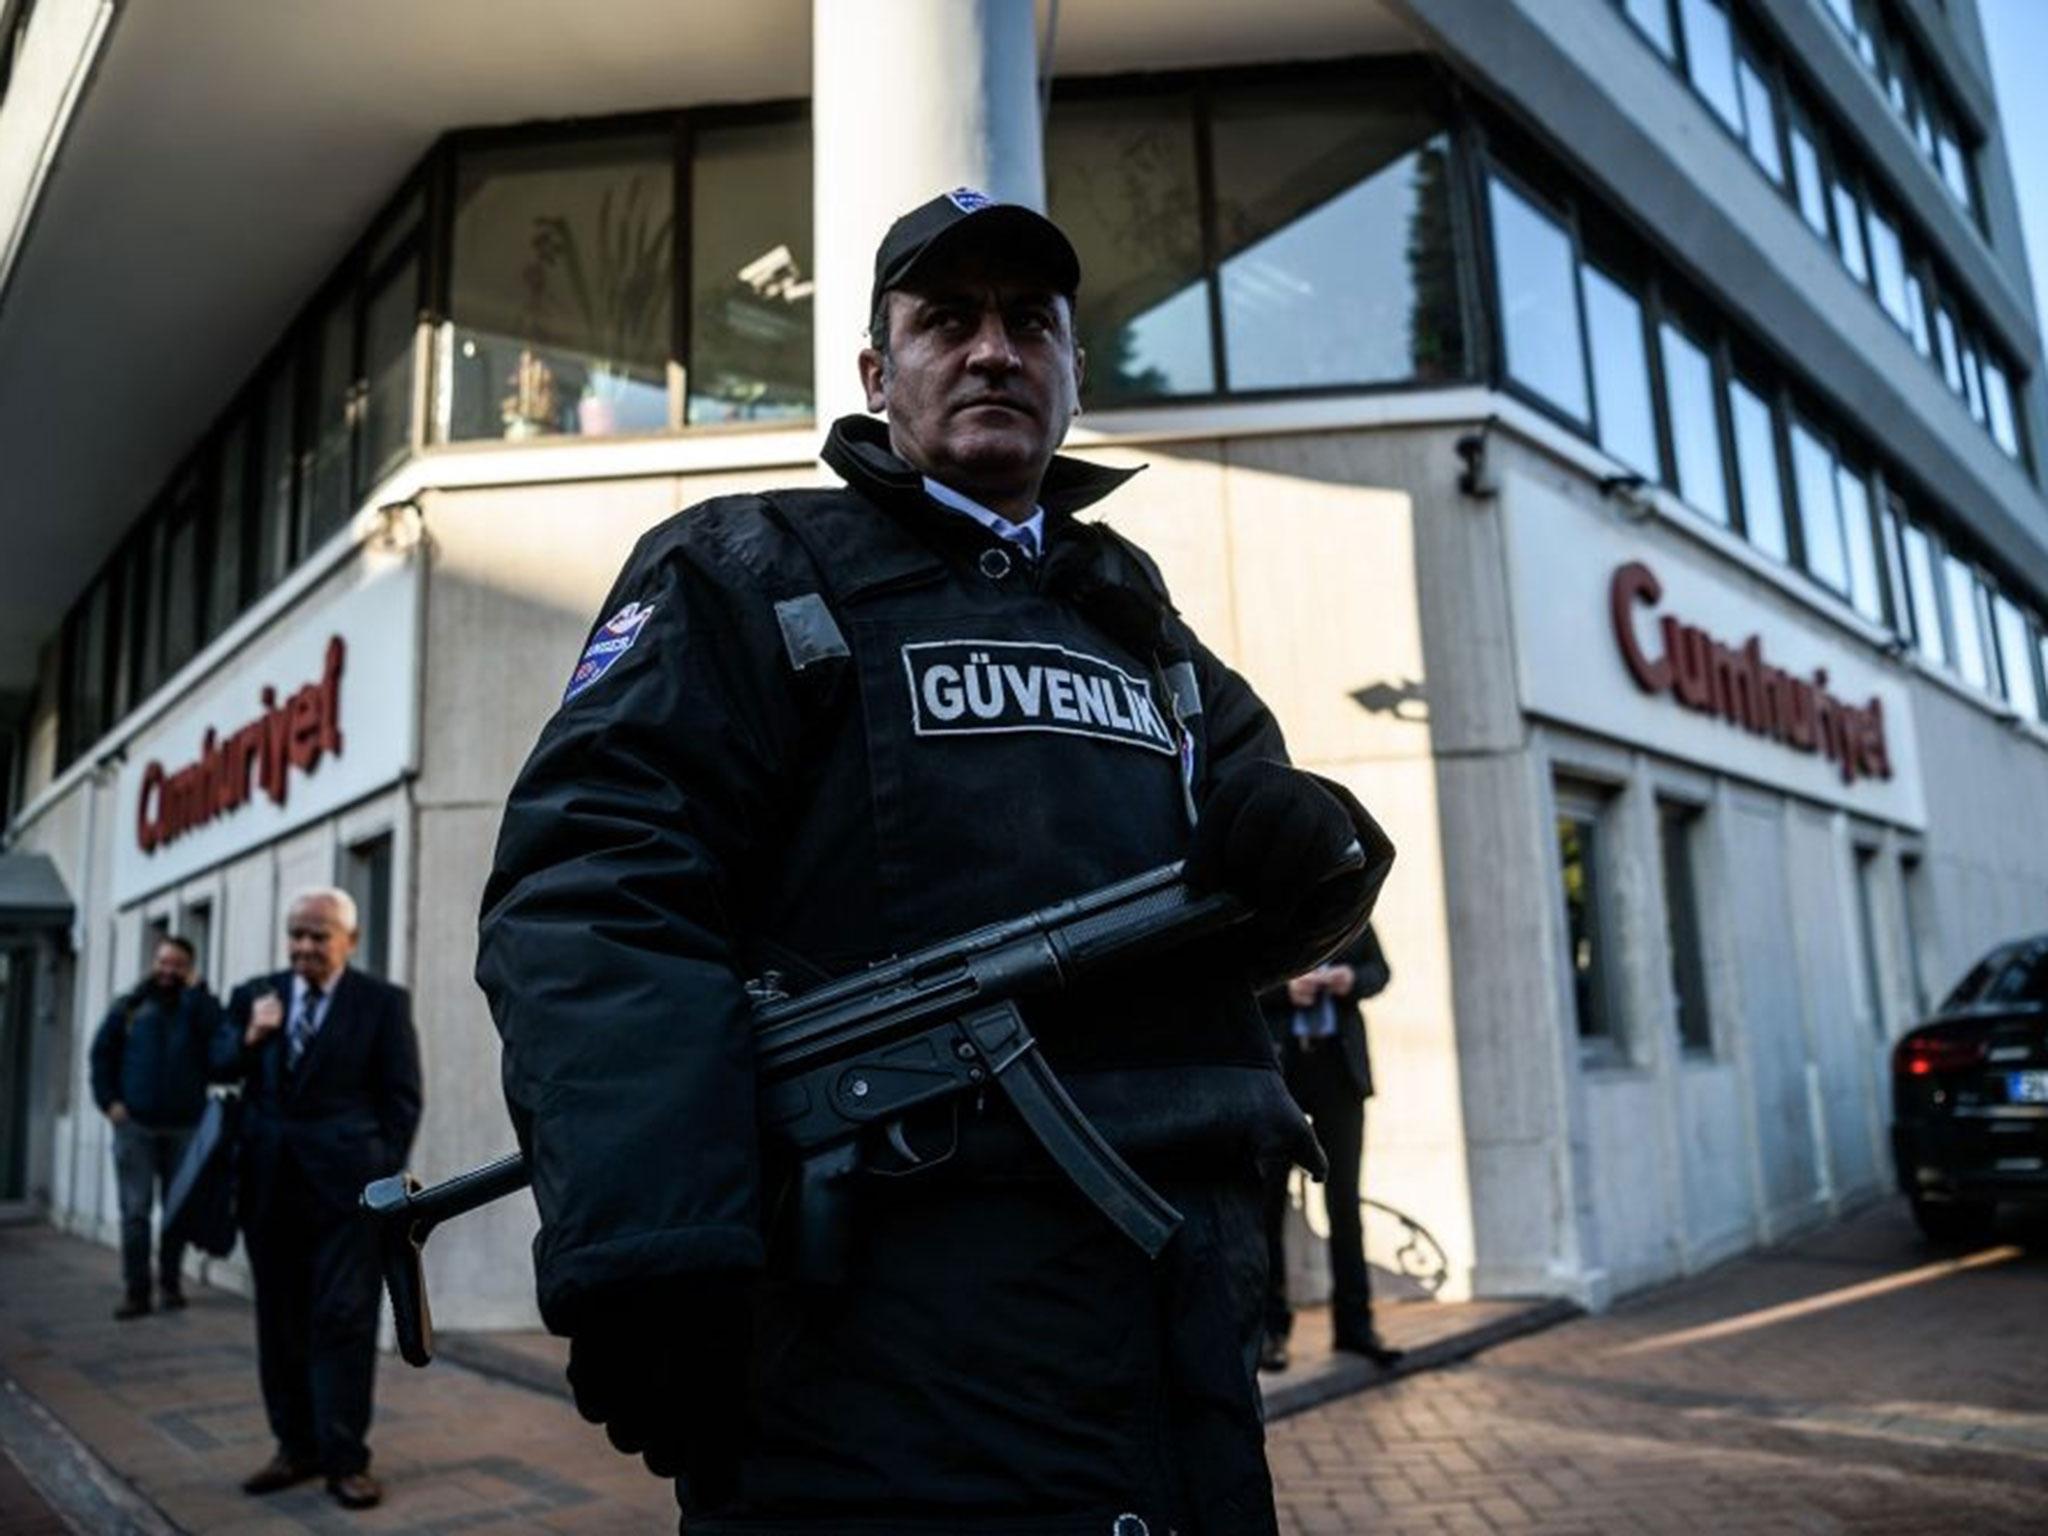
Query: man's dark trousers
x=145 y=1161
x=1325 y=1091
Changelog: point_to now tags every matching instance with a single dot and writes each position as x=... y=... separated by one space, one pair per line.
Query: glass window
x=1653 y=19
x=562 y=273
x=1849 y=232
x=1955 y=169
x=391 y=319
x=1539 y=301
x=1916 y=315
x=89 y=714
x=1710 y=57
x=1966 y=621
x=1888 y=264
x=1951 y=356
x=1581 y=823
x=1760 y=113
x=1333 y=232
x=327 y=501
x=752 y=272
x=2015 y=657
x=277 y=463
x=366 y=875
x=1756 y=468
x=1866 y=937
x=1928 y=634
x=1121 y=181
x=1973 y=383
x=1820 y=520
x=1621 y=372
x=2041 y=653
x=180 y=572
x=1695 y=430
x=1808 y=180
x=1998 y=407
x=1866 y=584
x=227 y=534
x=1888 y=517
x=1678 y=828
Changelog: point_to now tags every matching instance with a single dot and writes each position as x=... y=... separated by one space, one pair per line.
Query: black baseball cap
x=963 y=213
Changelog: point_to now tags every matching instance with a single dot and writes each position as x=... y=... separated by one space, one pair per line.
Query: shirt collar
x=299 y=987
x=1028 y=536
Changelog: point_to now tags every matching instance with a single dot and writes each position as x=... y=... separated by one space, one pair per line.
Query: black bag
x=199 y=1208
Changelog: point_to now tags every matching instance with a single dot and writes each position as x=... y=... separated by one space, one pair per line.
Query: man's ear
x=1080 y=375
x=873 y=372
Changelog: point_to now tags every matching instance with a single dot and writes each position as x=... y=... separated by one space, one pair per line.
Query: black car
x=1970 y=1096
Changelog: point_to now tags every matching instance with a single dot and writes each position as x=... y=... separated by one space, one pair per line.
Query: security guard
x=816 y=728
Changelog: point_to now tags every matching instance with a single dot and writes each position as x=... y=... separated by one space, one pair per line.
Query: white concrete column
x=909 y=98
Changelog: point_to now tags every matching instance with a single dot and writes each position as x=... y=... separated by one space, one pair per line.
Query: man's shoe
x=358 y=1490
x=1369 y=1345
x=278 y=1473
x=171 y=1299
x=134 y=1306
x=1273 y=1354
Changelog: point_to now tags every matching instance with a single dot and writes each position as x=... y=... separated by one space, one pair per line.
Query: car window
x=2023 y=978
x=1973 y=983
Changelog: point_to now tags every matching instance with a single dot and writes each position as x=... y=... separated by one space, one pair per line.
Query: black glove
x=1296 y=849
x=662 y=1366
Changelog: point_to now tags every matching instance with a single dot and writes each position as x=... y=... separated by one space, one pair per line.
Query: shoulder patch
x=613 y=639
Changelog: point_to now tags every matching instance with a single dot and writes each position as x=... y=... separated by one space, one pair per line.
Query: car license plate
x=2026 y=1087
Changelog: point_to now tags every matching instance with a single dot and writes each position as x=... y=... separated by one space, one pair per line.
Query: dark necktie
x=305 y=1023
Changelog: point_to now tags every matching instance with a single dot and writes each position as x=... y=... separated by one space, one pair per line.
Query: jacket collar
x=857 y=450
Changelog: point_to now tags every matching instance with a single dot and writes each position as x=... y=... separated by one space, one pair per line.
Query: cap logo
x=966 y=199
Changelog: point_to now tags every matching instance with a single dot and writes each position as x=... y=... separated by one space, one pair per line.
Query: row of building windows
x=1748 y=87
x=1243 y=235
x=1609 y=344
x=1909 y=83
x=1593 y=837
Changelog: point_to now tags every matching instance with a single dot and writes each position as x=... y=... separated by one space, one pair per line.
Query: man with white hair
x=331 y=1101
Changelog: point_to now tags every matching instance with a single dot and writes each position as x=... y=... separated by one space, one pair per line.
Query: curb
x=85 y=1493
x=1353 y=1376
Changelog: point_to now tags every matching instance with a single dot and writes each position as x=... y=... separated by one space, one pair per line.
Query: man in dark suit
x=1320 y=1037
x=332 y=1100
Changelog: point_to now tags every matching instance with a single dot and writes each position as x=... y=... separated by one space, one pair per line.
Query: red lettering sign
x=295 y=732
x=1742 y=687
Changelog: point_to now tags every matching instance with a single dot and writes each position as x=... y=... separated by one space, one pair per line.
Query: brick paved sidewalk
x=1849 y=1382
x=169 y=1404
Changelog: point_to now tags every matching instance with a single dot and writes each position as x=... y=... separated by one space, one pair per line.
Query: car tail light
x=1920 y=1055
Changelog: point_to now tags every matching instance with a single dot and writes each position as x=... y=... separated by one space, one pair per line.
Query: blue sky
x=2016 y=33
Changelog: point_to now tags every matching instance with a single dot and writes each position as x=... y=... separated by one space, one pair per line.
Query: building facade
x=1607 y=433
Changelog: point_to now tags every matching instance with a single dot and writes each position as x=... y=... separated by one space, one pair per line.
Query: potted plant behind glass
x=622 y=295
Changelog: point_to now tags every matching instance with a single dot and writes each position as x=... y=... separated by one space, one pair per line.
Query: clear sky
x=2016 y=33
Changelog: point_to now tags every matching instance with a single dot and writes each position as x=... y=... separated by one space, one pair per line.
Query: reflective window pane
x=1866 y=586
x=1710 y=57
x=1621 y=373
x=390 y=328
x=562 y=271
x=752 y=272
x=1955 y=170
x=1811 y=185
x=1928 y=634
x=226 y=537
x=1760 y=115
x=1654 y=19
x=2041 y=651
x=275 y=523
x=1951 y=355
x=1120 y=180
x=1894 y=571
x=2015 y=657
x=1756 y=466
x=1916 y=316
x=1334 y=240
x=1966 y=621
x=1998 y=407
x=1973 y=383
x=1820 y=520
x=1888 y=264
x=1695 y=433
x=328 y=503
x=1539 y=301
x=184 y=517
x=1849 y=233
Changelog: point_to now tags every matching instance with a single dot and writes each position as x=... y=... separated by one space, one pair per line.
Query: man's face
x=172 y=967
x=982 y=376
x=318 y=943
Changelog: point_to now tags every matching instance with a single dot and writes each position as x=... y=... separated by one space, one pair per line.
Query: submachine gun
x=839 y=1067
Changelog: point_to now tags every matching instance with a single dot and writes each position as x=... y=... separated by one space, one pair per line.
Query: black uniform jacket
x=346 y=1115
x=1368 y=963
